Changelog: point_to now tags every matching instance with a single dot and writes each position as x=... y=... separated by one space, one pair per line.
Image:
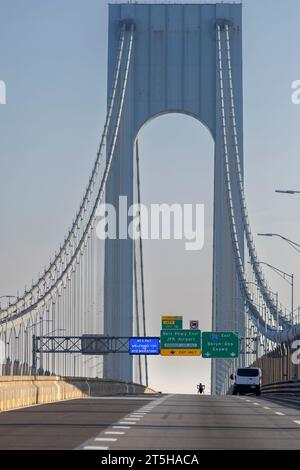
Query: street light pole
x=284 y=276
x=293 y=244
x=289 y=192
x=277 y=310
x=292 y=284
x=296 y=247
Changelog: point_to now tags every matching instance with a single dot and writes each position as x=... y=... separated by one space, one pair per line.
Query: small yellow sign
x=171 y=318
x=180 y=352
x=171 y=323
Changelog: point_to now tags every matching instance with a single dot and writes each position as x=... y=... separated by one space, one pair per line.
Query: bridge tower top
x=175 y=56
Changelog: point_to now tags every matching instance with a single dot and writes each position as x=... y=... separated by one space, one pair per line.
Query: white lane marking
x=95 y=448
x=105 y=439
x=112 y=433
x=121 y=427
x=266 y=408
x=297 y=422
x=248 y=401
x=279 y=413
x=127 y=422
x=256 y=404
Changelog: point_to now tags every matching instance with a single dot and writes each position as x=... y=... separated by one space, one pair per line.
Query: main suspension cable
x=268 y=332
x=241 y=193
x=78 y=252
x=55 y=266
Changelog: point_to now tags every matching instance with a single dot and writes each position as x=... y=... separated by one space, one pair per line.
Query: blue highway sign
x=144 y=346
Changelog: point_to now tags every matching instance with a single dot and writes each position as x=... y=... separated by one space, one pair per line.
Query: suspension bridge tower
x=174 y=68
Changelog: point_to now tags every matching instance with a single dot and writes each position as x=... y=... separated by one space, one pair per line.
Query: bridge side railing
x=282 y=388
x=18 y=392
x=279 y=366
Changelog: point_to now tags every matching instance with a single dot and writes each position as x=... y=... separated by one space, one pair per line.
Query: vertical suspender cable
x=141 y=255
x=137 y=308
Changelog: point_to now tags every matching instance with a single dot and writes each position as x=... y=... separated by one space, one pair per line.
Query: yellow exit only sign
x=180 y=352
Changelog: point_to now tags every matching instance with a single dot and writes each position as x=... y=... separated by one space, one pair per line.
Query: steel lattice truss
x=91 y=345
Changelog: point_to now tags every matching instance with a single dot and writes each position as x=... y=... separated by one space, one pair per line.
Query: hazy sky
x=53 y=58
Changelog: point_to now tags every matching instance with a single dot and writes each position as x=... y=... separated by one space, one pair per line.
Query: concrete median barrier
x=17 y=392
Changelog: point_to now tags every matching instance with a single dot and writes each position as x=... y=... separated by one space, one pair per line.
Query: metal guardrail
x=291 y=388
x=282 y=388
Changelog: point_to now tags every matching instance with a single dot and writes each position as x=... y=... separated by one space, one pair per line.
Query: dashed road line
x=105 y=439
x=279 y=413
x=127 y=422
x=121 y=427
x=95 y=448
x=114 y=433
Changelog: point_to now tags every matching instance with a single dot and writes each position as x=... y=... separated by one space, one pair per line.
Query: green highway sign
x=171 y=323
x=180 y=343
x=220 y=345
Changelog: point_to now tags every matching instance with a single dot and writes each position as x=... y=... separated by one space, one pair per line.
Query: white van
x=247 y=380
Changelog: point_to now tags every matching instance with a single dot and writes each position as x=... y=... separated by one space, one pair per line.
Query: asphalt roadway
x=162 y=422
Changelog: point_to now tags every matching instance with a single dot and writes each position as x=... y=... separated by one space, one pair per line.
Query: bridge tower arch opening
x=176 y=168
x=174 y=68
